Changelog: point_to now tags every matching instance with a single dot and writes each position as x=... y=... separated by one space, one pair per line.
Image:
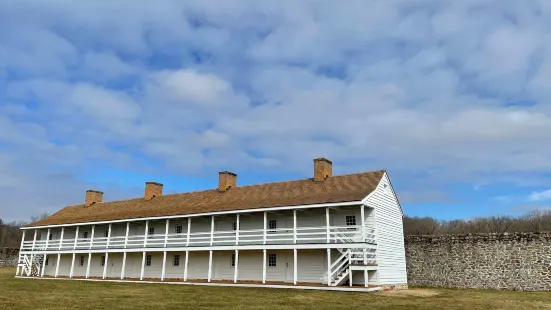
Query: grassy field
x=64 y=294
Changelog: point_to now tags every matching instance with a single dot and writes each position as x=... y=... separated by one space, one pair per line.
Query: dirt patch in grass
x=419 y=292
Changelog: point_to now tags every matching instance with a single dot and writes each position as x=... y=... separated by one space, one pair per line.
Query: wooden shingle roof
x=342 y=188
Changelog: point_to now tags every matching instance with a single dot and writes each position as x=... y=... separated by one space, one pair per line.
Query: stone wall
x=8 y=257
x=516 y=261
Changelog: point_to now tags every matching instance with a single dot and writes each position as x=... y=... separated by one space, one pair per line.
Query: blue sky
x=452 y=98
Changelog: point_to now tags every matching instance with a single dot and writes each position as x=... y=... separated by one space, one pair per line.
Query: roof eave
x=264 y=209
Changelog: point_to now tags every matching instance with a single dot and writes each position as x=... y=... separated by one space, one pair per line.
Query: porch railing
x=303 y=235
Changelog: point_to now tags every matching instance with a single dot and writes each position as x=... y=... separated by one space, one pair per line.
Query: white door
x=289 y=269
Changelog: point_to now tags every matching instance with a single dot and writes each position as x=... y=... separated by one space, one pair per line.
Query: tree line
x=533 y=221
x=10 y=233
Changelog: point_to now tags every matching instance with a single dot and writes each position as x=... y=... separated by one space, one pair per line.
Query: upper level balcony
x=338 y=225
x=300 y=235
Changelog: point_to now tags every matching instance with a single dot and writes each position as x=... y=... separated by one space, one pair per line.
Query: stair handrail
x=339 y=264
x=339 y=234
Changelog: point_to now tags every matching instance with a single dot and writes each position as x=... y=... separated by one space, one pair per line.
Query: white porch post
x=145 y=234
x=237 y=230
x=328 y=267
x=43 y=265
x=61 y=237
x=211 y=229
x=123 y=265
x=295 y=269
x=22 y=239
x=327 y=225
x=264 y=264
x=108 y=237
x=210 y=266
x=20 y=248
x=76 y=239
x=366 y=284
x=185 y=267
x=362 y=222
x=350 y=270
x=126 y=235
x=188 y=231
x=47 y=238
x=164 y=266
x=29 y=270
x=166 y=232
x=92 y=236
x=265 y=225
x=143 y=266
x=88 y=266
x=34 y=238
x=295 y=226
x=105 y=265
x=57 y=265
x=72 y=266
x=236 y=266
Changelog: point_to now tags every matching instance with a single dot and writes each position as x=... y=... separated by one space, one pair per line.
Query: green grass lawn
x=65 y=294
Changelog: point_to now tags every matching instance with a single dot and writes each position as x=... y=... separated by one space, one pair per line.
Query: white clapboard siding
x=154 y=271
x=96 y=269
x=132 y=268
x=311 y=265
x=80 y=271
x=198 y=265
x=390 y=234
x=250 y=265
x=172 y=271
x=64 y=265
x=283 y=271
x=50 y=268
x=222 y=269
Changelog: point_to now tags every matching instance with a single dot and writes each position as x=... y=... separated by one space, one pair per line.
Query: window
x=106 y=233
x=234 y=226
x=148 y=260
x=103 y=260
x=47 y=259
x=350 y=220
x=82 y=260
x=176 y=261
x=272 y=260
x=272 y=224
x=232 y=262
x=51 y=237
x=179 y=229
x=85 y=235
x=151 y=231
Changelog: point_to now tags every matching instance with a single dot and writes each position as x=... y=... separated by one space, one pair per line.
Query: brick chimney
x=323 y=168
x=226 y=180
x=93 y=197
x=153 y=189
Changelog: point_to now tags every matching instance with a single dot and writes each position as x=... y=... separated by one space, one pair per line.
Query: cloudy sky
x=453 y=98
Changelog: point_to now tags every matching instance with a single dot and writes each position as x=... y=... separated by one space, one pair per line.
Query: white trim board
x=296 y=287
x=271 y=209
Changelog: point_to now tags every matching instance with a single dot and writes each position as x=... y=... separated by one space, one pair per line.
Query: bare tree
x=533 y=221
x=36 y=218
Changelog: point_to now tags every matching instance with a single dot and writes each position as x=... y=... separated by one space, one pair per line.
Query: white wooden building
x=322 y=232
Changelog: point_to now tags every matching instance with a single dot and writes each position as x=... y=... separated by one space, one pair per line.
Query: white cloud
x=540 y=196
x=193 y=87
